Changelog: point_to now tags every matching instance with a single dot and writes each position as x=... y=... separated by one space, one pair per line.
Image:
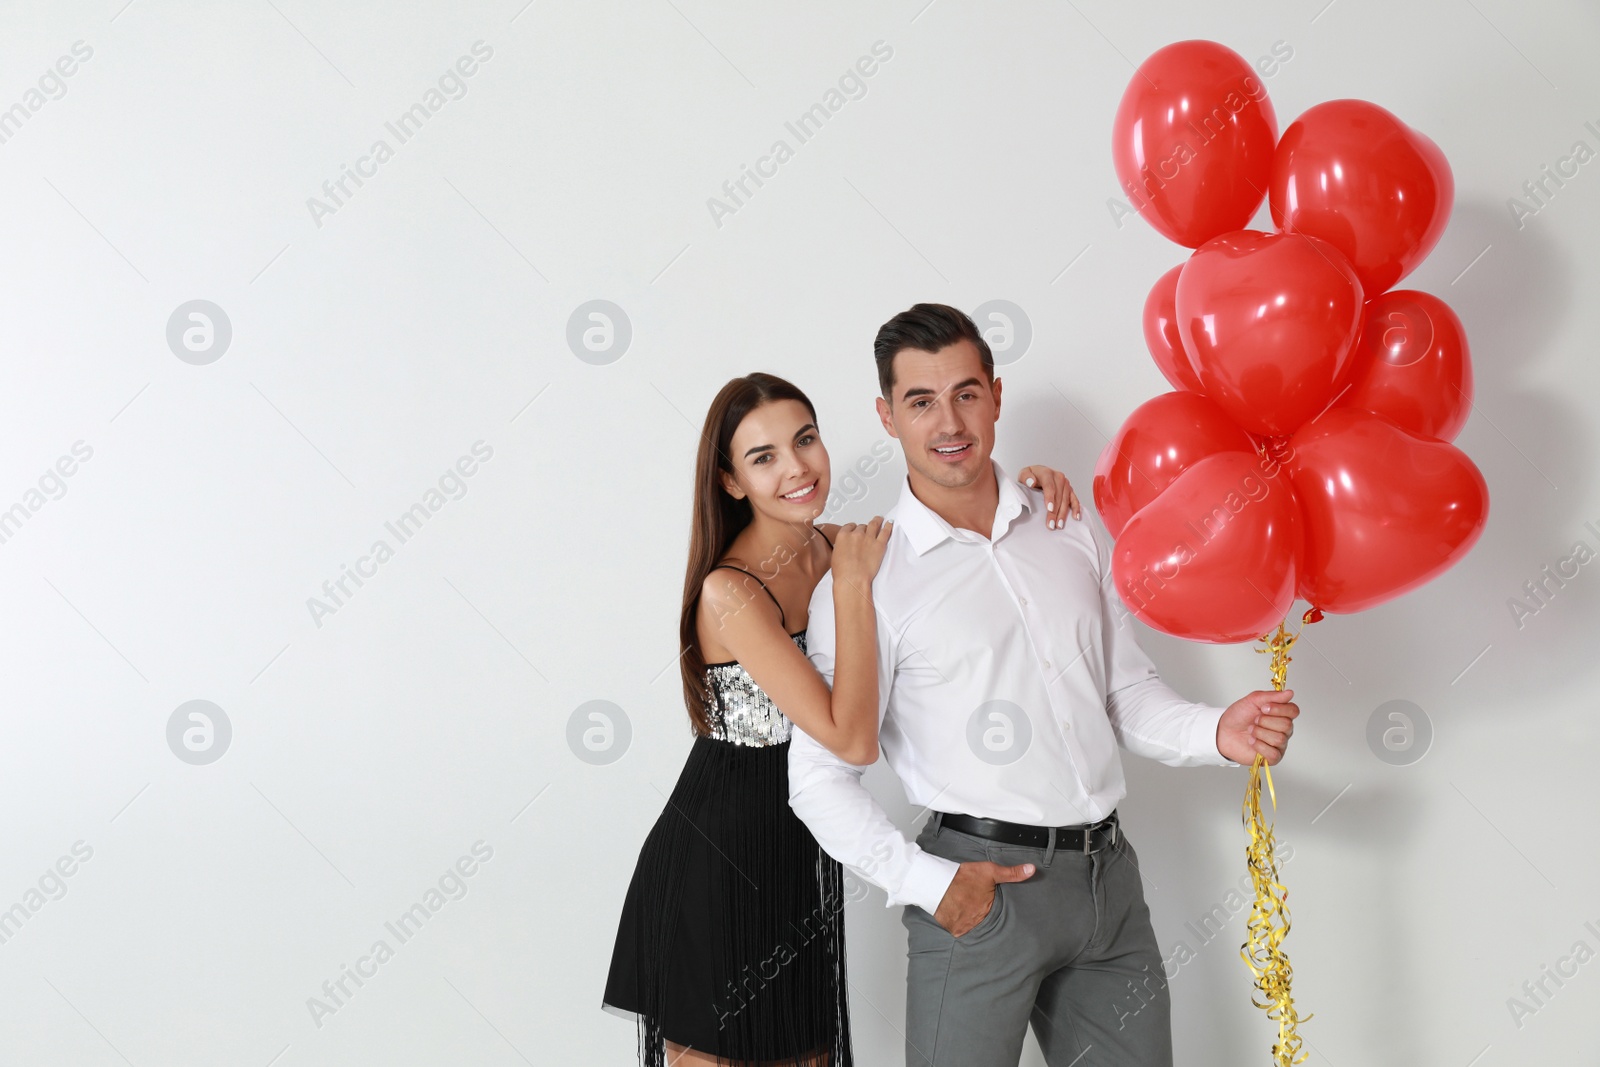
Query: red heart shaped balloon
x=1268 y=322
x=1161 y=334
x=1215 y=557
x=1158 y=441
x=1193 y=141
x=1412 y=365
x=1353 y=174
x=1384 y=509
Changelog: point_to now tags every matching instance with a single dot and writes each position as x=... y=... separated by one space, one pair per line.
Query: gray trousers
x=1070 y=950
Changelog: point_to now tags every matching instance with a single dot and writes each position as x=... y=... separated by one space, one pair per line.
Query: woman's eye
x=807 y=439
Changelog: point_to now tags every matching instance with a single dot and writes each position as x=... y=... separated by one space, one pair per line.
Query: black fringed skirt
x=731 y=940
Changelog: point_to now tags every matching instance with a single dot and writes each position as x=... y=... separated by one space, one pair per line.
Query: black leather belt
x=1092 y=838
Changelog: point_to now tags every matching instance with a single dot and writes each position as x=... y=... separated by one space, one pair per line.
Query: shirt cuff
x=926 y=881
x=1203 y=738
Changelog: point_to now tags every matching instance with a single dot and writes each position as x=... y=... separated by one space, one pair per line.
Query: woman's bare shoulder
x=728 y=589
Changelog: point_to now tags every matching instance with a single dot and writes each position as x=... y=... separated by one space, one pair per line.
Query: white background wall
x=371 y=348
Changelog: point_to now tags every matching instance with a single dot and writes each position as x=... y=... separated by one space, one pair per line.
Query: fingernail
x=1050 y=505
x=1030 y=481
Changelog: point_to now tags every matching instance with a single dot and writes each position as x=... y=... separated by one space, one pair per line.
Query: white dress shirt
x=1006 y=677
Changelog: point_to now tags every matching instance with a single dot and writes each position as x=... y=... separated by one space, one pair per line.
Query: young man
x=1006 y=681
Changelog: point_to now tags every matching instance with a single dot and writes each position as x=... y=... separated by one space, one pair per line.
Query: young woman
x=730 y=949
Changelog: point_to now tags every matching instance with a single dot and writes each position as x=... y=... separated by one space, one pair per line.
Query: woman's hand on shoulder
x=1058 y=495
x=858 y=550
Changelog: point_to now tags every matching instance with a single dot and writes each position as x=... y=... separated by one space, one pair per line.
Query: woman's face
x=779 y=463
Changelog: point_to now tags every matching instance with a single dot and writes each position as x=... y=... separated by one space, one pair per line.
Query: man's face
x=943 y=410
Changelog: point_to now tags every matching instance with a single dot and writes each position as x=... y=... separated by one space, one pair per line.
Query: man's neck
x=965 y=507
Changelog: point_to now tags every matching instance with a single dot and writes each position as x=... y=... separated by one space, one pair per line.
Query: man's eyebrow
x=768 y=448
x=922 y=391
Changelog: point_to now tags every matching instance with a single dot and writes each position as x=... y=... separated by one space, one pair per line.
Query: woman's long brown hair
x=718 y=518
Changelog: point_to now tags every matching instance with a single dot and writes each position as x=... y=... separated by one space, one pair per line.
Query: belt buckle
x=1109 y=825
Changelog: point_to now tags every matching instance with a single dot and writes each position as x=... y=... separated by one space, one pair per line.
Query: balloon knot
x=1278 y=448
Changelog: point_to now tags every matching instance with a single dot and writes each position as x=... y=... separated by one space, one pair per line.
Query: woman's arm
x=844 y=719
x=856 y=557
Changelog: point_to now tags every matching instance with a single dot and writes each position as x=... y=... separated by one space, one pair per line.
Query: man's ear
x=997 y=384
x=884 y=417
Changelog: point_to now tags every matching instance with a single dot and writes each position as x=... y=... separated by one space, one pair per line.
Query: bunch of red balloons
x=1306 y=448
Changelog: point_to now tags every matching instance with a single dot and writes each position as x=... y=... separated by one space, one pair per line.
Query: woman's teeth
x=798 y=493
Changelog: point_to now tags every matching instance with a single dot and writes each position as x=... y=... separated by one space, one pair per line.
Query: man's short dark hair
x=926 y=328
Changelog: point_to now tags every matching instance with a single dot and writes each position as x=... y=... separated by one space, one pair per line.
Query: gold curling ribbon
x=1263 y=948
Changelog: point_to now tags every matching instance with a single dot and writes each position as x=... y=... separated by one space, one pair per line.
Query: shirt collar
x=924 y=527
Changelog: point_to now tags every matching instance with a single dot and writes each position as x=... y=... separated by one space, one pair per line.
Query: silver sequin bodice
x=748 y=716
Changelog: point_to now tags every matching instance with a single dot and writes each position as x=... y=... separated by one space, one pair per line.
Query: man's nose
x=946 y=420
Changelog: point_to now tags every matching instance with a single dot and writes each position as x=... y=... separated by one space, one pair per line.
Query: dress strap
x=781 y=619
x=824 y=535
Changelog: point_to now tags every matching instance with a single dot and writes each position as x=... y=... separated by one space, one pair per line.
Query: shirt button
x=1024 y=600
x=1046 y=664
